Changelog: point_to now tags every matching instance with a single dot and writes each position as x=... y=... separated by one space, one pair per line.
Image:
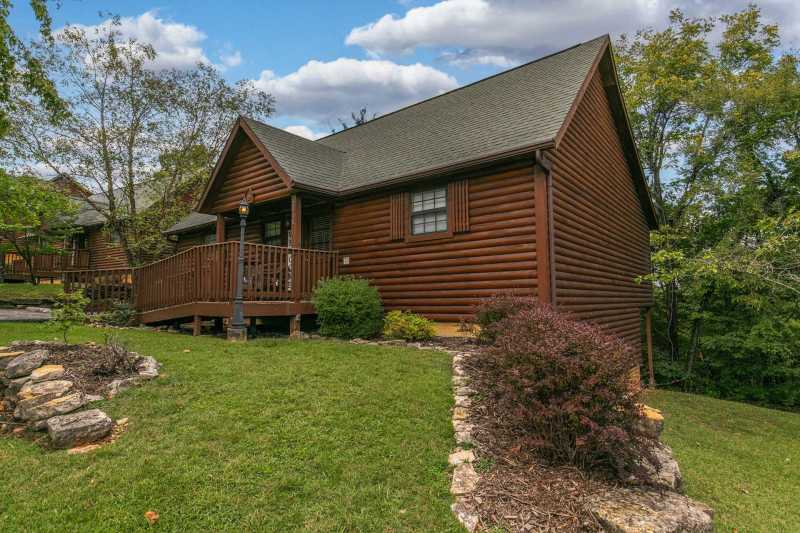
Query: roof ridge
x=282 y=130
x=451 y=91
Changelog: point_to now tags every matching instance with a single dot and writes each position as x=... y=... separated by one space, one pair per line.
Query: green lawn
x=16 y=291
x=743 y=461
x=273 y=435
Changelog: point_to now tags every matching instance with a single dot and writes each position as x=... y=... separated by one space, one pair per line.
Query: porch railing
x=102 y=287
x=208 y=274
x=46 y=265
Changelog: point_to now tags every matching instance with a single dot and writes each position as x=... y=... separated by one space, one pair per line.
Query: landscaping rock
x=147 y=367
x=26 y=363
x=78 y=428
x=468 y=518
x=464 y=479
x=460 y=413
x=651 y=421
x=30 y=389
x=461 y=456
x=119 y=385
x=46 y=406
x=622 y=510
x=13 y=386
x=6 y=357
x=667 y=473
x=47 y=372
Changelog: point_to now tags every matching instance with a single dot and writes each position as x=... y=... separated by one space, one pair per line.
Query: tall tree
x=715 y=115
x=134 y=133
x=22 y=70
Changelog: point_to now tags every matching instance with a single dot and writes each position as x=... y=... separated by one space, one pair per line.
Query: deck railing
x=46 y=265
x=102 y=287
x=208 y=274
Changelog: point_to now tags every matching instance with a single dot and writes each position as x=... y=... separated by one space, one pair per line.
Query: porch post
x=297 y=221
x=220 y=228
x=297 y=242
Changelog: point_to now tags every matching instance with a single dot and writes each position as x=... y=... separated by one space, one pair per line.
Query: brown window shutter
x=458 y=200
x=398 y=210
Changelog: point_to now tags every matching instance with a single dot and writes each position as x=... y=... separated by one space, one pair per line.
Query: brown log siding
x=104 y=254
x=248 y=169
x=188 y=240
x=443 y=279
x=601 y=236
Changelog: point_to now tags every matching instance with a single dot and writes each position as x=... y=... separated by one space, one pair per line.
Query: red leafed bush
x=491 y=311
x=564 y=388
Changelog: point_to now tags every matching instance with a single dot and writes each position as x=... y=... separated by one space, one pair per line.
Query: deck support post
x=294 y=327
x=648 y=331
x=197 y=325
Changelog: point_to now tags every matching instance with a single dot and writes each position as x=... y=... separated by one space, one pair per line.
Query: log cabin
x=527 y=182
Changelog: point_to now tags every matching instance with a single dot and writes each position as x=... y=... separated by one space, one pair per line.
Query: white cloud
x=504 y=32
x=178 y=45
x=231 y=59
x=305 y=131
x=321 y=92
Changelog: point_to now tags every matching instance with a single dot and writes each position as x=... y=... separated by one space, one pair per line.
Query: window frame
x=282 y=236
x=409 y=222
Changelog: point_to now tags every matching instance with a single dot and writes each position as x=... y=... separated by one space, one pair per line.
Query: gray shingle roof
x=519 y=108
x=191 y=221
x=306 y=161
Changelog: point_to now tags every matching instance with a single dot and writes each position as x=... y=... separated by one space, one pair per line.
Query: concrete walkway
x=25 y=314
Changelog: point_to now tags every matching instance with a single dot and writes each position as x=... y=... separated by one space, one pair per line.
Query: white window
x=429 y=211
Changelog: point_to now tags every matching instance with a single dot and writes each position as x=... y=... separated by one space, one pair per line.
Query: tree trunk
x=671 y=305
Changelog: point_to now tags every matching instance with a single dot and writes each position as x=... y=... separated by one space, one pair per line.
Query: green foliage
x=121 y=314
x=70 y=311
x=20 y=70
x=716 y=122
x=34 y=216
x=407 y=326
x=348 y=307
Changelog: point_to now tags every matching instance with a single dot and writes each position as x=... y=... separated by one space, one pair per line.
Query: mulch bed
x=90 y=367
x=517 y=491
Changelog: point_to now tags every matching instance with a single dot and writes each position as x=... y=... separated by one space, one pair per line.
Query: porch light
x=244 y=208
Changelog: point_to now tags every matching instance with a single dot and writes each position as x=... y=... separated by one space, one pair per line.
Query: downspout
x=545 y=250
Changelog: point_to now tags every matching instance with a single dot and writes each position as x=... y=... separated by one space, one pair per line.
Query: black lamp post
x=237 y=330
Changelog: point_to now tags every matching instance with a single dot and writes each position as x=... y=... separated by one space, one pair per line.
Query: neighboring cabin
x=527 y=182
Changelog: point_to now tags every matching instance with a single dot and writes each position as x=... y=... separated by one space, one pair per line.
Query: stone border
x=38 y=398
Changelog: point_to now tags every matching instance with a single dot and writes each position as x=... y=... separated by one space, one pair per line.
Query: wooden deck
x=201 y=282
x=44 y=266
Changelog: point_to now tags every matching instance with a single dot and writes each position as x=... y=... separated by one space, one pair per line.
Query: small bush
x=492 y=311
x=120 y=314
x=69 y=311
x=564 y=387
x=348 y=307
x=407 y=326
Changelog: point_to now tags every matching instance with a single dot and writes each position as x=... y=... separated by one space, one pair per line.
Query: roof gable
x=245 y=165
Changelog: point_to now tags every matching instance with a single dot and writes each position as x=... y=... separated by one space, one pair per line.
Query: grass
x=742 y=460
x=273 y=435
x=25 y=291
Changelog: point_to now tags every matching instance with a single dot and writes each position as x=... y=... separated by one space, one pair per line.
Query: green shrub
x=348 y=307
x=407 y=326
x=120 y=314
x=69 y=311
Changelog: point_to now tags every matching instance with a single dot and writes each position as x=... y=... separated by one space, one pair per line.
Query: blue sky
x=322 y=60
